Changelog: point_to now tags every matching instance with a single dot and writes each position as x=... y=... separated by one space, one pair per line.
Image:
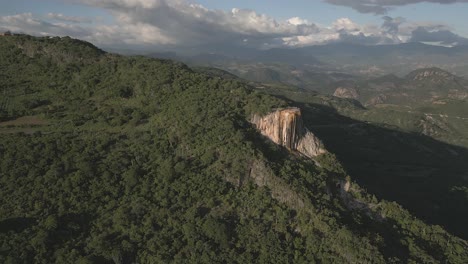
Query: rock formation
x=379 y=99
x=285 y=128
x=343 y=92
x=435 y=75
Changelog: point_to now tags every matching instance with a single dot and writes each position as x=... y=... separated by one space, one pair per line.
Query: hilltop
x=435 y=75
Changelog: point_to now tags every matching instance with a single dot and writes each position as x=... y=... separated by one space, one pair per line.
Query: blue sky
x=161 y=22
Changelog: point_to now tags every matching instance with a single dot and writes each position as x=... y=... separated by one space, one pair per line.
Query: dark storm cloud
x=391 y=25
x=382 y=6
x=443 y=36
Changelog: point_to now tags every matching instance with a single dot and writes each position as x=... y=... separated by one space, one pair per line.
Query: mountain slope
x=416 y=156
x=110 y=159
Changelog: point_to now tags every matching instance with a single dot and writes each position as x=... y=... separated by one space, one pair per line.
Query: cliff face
x=285 y=128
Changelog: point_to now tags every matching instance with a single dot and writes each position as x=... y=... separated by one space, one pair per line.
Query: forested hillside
x=112 y=159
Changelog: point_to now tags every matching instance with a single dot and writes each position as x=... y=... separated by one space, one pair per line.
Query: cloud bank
x=182 y=22
x=186 y=25
x=442 y=36
x=381 y=7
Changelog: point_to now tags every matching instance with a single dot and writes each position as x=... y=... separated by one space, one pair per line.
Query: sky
x=258 y=24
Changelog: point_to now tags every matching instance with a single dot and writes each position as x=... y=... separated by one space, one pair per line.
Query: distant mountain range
x=420 y=86
x=360 y=60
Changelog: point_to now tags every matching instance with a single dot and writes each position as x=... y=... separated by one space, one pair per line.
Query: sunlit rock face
x=281 y=126
x=285 y=128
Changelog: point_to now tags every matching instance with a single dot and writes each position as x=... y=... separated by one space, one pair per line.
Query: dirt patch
x=25 y=121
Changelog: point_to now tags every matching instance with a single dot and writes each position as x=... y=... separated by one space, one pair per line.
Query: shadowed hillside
x=426 y=176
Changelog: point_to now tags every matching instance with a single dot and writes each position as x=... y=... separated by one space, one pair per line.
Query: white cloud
x=296 y=21
x=183 y=24
x=71 y=19
x=316 y=39
x=186 y=22
x=346 y=24
x=28 y=23
x=118 y=35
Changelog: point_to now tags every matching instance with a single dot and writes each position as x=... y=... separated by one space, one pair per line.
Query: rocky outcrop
x=310 y=146
x=343 y=92
x=433 y=126
x=431 y=74
x=285 y=127
x=379 y=99
x=459 y=95
x=353 y=203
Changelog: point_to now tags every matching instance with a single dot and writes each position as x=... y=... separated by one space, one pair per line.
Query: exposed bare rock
x=346 y=190
x=310 y=145
x=432 y=127
x=349 y=92
x=285 y=128
x=379 y=99
x=456 y=94
x=432 y=74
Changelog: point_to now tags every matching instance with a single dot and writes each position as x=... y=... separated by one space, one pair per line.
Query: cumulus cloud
x=364 y=39
x=383 y=6
x=167 y=22
x=184 y=25
x=28 y=23
x=351 y=32
x=185 y=22
x=107 y=35
x=342 y=30
x=346 y=24
x=298 y=21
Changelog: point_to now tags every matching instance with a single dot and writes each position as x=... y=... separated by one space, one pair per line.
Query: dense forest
x=113 y=159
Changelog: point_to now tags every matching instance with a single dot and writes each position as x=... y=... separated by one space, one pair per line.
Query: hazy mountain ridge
x=421 y=86
x=396 y=58
x=321 y=67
